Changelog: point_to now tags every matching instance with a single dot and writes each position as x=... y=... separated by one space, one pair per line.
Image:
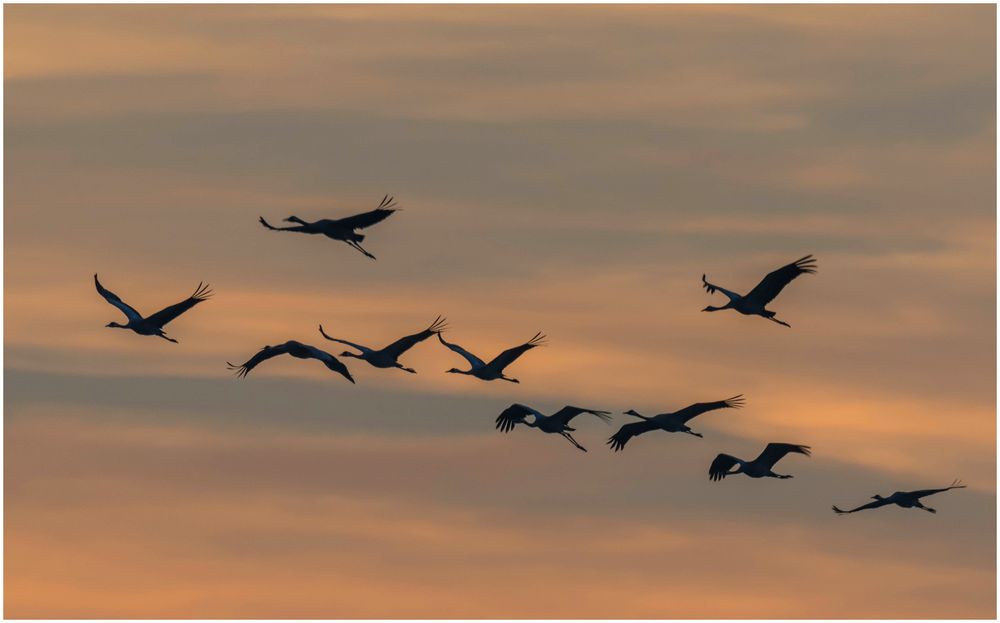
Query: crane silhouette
x=904 y=499
x=295 y=349
x=760 y=467
x=494 y=369
x=675 y=422
x=755 y=301
x=558 y=422
x=387 y=357
x=343 y=228
x=154 y=323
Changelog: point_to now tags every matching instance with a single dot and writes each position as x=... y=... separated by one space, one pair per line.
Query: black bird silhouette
x=295 y=349
x=755 y=302
x=905 y=499
x=675 y=422
x=387 y=357
x=153 y=324
x=760 y=467
x=342 y=228
x=558 y=422
x=494 y=369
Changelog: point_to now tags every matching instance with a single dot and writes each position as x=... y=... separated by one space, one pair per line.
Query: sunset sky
x=566 y=169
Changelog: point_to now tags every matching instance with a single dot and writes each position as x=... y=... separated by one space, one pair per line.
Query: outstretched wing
x=404 y=344
x=262 y=355
x=474 y=361
x=514 y=414
x=508 y=356
x=693 y=411
x=367 y=219
x=775 y=281
x=329 y=361
x=628 y=431
x=567 y=413
x=711 y=289
x=774 y=452
x=875 y=504
x=165 y=315
x=720 y=467
x=363 y=349
x=111 y=297
x=925 y=492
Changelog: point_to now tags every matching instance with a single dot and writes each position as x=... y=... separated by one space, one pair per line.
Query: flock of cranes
x=754 y=303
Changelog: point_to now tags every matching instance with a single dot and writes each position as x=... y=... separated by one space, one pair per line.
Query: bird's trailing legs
x=572 y=441
x=782 y=322
x=360 y=248
x=691 y=432
x=169 y=339
x=926 y=508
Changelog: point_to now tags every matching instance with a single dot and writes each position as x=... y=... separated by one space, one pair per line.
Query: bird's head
x=711 y=308
x=630 y=412
x=348 y=353
x=454 y=371
x=115 y=325
x=876 y=497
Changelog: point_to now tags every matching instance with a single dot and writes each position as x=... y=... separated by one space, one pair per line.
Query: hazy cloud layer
x=573 y=170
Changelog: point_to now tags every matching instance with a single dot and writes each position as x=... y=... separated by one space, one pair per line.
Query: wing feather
x=329 y=361
x=367 y=219
x=925 y=492
x=774 y=452
x=363 y=349
x=720 y=467
x=567 y=413
x=165 y=315
x=262 y=355
x=111 y=297
x=474 y=361
x=513 y=415
x=775 y=281
x=693 y=411
x=404 y=344
x=875 y=504
x=508 y=356
x=628 y=431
